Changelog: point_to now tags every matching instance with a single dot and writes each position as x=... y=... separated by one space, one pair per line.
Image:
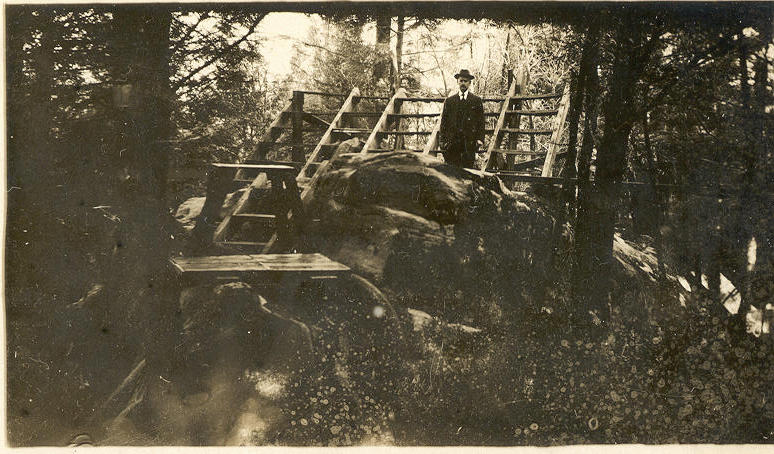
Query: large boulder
x=434 y=236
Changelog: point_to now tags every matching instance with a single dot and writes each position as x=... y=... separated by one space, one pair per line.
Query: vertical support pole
x=513 y=120
x=218 y=184
x=398 y=123
x=298 y=125
x=522 y=79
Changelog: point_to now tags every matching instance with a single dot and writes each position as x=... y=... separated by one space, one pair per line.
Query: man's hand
x=479 y=143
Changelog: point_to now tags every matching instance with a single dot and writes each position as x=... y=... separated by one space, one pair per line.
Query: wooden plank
x=519 y=152
x=420 y=99
x=382 y=123
x=415 y=115
x=220 y=232
x=364 y=114
x=535 y=113
x=257 y=263
x=431 y=147
x=534 y=162
x=310 y=118
x=372 y=97
x=272 y=133
x=297 y=152
x=494 y=142
x=352 y=130
x=535 y=132
x=528 y=96
x=325 y=140
x=405 y=133
x=557 y=135
x=322 y=93
x=260 y=167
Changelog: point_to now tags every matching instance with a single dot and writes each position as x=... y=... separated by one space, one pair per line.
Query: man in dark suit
x=462 y=124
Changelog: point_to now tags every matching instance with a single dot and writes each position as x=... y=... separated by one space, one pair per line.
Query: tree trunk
x=755 y=203
x=582 y=271
x=382 y=47
x=595 y=256
x=140 y=50
x=569 y=170
x=399 y=54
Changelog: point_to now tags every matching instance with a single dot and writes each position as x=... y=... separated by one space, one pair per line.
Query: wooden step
x=534 y=113
x=372 y=113
x=323 y=93
x=533 y=132
x=520 y=152
x=536 y=96
x=405 y=133
x=318 y=127
x=420 y=99
x=287 y=144
x=390 y=150
x=415 y=115
x=351 y=131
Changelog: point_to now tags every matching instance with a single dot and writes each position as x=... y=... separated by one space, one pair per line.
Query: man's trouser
x=461 y=154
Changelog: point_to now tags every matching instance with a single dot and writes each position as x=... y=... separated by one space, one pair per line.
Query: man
x=462 y=124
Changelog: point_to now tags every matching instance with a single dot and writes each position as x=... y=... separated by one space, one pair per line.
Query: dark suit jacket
x=462 y=121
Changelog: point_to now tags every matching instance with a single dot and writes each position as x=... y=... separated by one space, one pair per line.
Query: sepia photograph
x=389 y=223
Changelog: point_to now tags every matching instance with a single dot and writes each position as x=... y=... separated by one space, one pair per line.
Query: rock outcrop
x=439 y=238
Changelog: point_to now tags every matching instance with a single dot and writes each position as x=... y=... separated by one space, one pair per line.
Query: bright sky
x=280 y=31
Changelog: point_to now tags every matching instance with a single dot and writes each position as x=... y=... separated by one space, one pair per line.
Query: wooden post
x=398 y=125
x=298 y=125
x=218 y=183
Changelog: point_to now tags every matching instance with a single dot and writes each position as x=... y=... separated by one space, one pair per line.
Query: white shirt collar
x=465 y=95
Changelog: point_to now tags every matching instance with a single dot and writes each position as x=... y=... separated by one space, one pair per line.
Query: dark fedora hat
x=464 y=73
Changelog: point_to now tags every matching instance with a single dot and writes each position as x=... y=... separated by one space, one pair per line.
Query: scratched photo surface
x=389 y=223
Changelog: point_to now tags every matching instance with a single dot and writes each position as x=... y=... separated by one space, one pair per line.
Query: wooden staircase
x=268 y=209
x=523 y=137
x=517 y=147
x=403 y=126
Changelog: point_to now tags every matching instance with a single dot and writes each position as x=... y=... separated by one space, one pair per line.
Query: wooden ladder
x=274 y=208
x=509 y=123
x=394 y=123
x=295 y=123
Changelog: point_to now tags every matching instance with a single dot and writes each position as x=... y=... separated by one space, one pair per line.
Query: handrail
x=557 y=135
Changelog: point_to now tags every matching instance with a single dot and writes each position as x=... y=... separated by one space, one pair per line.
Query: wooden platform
x=257 y=264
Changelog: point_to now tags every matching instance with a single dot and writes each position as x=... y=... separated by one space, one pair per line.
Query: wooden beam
x=311 y=118
x=272 y=134
x=432 y=141
x=494 y=143
x=564 y=104
x=348 y=106
x=298 y=126
x=220 y=232
x=382 y=123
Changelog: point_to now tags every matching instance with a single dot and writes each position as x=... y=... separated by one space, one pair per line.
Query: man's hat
x=464 y=73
